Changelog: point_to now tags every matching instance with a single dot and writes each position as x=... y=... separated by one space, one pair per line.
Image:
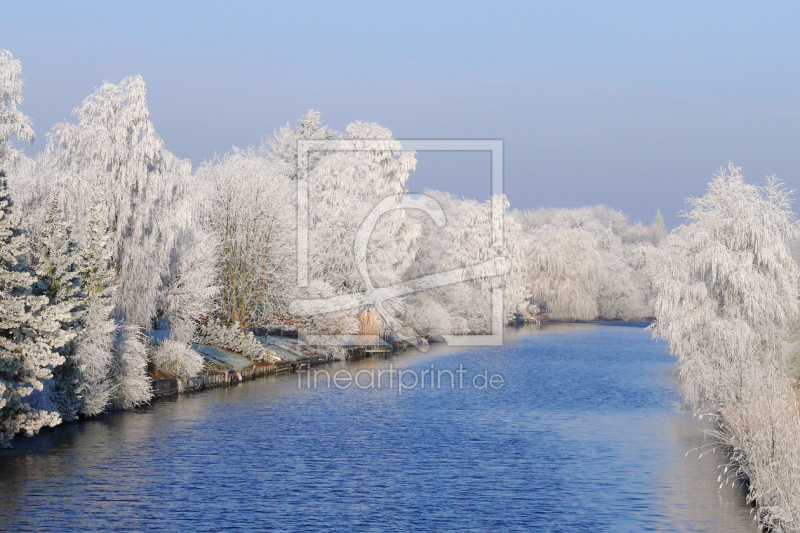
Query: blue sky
x=633 y=105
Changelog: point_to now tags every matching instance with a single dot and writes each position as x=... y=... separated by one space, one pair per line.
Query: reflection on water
x=584 y=436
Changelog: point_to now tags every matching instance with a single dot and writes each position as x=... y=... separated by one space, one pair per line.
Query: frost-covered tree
x=727 y=302
x=624 y=289
x=94 y=346
x=131 y=382
x=56 y=264
x=563 y=271
x=250 y=213
x=658 y=228
x=190 y=284
x=30 y=333
x=12 y=120
x=56 y=259
x=596 y=220
x=249 y=216
x=160 y=260
x=280 y=150
x=114 y=148
x=464 y=240
x=344 y=186
x=35 y=183
x=728 y=272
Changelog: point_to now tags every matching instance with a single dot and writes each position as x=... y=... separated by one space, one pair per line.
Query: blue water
x=585 y=434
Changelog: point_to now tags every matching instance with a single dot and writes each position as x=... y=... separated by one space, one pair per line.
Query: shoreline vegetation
x=728 y=303
x=218 y=374
x=122 y=265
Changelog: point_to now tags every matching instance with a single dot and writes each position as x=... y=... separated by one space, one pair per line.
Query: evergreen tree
x=94 y=349
x=56 y=265
x=55 y=256
x=30 y=332
x=281 y=149
x=659 y=230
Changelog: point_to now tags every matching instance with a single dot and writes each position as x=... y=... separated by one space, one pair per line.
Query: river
x=581 y=430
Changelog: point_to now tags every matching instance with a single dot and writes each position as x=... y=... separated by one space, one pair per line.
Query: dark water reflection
x=584 y=436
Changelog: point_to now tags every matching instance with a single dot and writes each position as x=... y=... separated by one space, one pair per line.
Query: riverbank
x=221 y=375
x=222 y=372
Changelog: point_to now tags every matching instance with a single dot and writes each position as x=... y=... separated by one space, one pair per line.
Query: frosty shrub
x=177 y=359
x=130 y=369
x=234 y=339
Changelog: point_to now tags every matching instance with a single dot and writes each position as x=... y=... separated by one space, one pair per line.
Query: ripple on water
x=582 y=437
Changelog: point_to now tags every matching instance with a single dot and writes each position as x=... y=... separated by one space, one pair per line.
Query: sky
x=633 y=105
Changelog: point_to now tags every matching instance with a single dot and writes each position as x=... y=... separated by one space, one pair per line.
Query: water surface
x=585 y=434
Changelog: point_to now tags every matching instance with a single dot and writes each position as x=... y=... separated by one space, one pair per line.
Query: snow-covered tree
x=190 y=284
x=12 y=120
x=658 y=228
x=343 y=188
x=563 y=272
x=595 y=220
x=56 y=259
x=252 y=215
x=624 y=290
x=463 y=241
x=727 y=302
x=56 y=263
x=131 y=382
x=249 y=215
x=30 y=332
x=242 y=219
x=114 y=149
x=728 y=272
x=94 y=354
x=280 y=150
x=35 y=183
